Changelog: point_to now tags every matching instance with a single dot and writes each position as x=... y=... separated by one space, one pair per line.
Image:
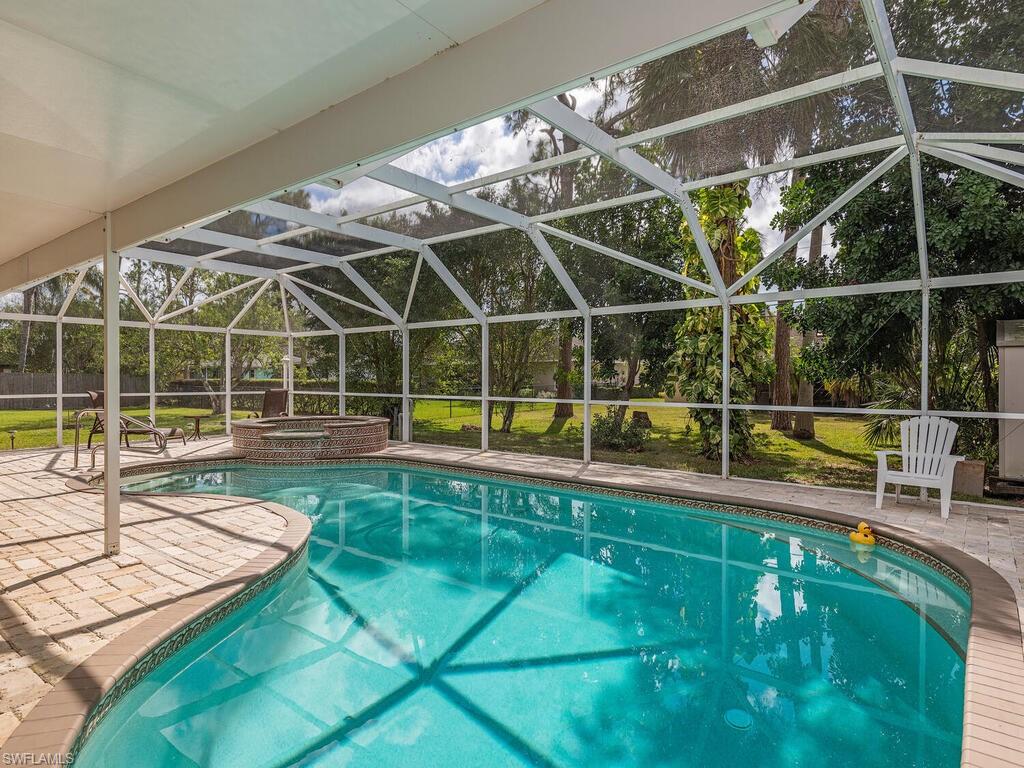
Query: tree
x=643 y=342
x=975 y=225
x=698 y=360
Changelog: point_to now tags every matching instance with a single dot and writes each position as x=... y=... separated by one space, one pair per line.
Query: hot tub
x=296 y=439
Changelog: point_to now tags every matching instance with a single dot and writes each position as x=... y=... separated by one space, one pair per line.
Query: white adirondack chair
x=925 y=445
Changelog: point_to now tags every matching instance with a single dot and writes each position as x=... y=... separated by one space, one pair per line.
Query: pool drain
x=739 y=719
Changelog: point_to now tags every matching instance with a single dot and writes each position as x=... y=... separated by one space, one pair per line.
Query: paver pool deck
x=60 y=600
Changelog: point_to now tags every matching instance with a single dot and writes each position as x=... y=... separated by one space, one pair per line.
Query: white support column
x=587 y=384
x=152 y=373
x=485 y=385
x=226 y=375
x=59 y=361
x=111 y=396
x=925 y=334
x=406 y=402
x=58 y=369
x=289 y=373
x=726 y=371
x=341 y=374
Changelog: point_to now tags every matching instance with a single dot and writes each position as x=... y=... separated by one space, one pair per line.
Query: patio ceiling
x=107 y=101
x=144 y=114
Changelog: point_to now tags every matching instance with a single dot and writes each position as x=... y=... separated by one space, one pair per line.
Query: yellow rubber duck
x=863 y=535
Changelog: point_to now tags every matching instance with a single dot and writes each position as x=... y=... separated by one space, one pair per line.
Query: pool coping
x=993 y=724
x=55 y=728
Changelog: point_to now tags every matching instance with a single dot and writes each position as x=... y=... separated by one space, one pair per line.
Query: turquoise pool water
x=447 y=620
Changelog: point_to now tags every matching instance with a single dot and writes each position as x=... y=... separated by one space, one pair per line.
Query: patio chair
x=275 y=403
x=132 y=426
x=925 y=446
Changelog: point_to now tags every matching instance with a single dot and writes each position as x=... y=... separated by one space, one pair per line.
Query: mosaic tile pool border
x=158 y=655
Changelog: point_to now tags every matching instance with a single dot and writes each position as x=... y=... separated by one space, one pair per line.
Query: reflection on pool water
x=449 y=620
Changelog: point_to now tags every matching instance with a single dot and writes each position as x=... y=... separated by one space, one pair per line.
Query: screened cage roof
x=824 y=82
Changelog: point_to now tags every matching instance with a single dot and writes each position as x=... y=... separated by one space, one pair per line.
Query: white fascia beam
x=209 y=299
x=314 y=308
x=333 y=295
x=248 y=305
x=72 y=292
x=551 y=259
x=189 y=271
x=986 y=78
x=668 y=274
x=756 y=104
x=855 y=189
x=453 y=285
x=584 y=131
x=135 y=299
x=976 y=164
x=982 y=150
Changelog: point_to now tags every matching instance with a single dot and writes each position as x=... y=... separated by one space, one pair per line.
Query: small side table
x=196 y=431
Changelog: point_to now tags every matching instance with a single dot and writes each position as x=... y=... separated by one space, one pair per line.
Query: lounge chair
x=275 y=403
x=132 y=426
x=925 y=446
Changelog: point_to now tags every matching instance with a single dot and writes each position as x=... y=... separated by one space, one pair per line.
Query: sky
x=491 y=147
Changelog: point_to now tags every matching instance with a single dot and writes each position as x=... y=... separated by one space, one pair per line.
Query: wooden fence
x=75 y=387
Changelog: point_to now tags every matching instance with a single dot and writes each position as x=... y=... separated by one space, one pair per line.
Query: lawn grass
x=38 y=429
x=838 y=456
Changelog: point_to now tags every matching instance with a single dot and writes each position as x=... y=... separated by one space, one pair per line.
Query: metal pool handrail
x=78 y=430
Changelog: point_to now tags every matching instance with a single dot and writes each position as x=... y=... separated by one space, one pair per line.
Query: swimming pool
x=450 y=619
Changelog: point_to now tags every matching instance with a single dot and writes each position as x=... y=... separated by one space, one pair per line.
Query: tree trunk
x=803 y=429
x=216 y=401
x=507 y=417
x=563 y=386
x=632 y=369
x=27 y=305
x=781 y=391
x=987 y=380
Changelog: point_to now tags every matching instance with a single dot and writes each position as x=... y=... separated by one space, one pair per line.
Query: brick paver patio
x=60 y=600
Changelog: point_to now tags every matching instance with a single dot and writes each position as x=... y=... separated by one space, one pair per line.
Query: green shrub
x=610 y=430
